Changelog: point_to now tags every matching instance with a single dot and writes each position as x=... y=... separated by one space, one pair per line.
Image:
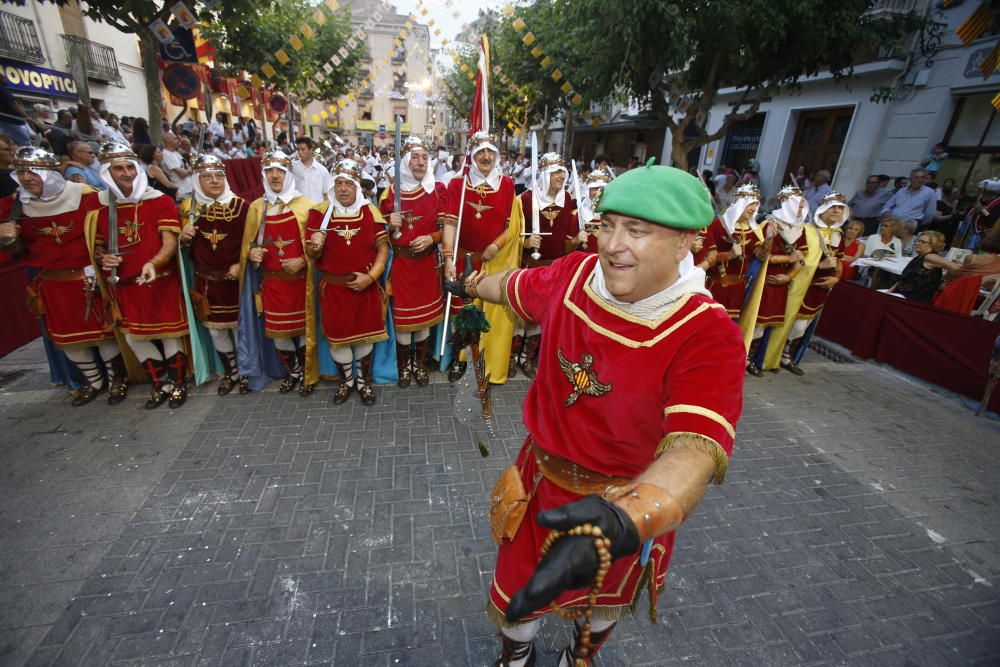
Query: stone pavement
x=858 y=525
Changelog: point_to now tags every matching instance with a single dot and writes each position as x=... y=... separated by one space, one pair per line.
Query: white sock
x=83 y=358
x=404 y=337
x=419 y=336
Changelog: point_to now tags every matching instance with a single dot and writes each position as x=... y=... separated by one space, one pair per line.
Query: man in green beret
x=633 y=412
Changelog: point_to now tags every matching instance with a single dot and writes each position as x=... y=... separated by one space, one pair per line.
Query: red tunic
x=155 y=310
x=775 y=297
x=559 y=222
x=484 y=219
x=417 y=302
x=283 y=295
x=349 y=317
x=214 y=248
x=815 y=296
x=710 y=240
x=683 y=374
x=55 y=245
x=485 y=216
x=729 y=288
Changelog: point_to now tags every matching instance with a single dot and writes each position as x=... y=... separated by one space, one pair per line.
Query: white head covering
x=828 y=201
x=481 y=141
x=406 y=178
x=743 y=198
x=278 y=160
x=598 y=178
x=53 y=185
x=208 y=164
x=115 y=153
x=991 y=184
x=348 y=170
x=787 y=213
x=45 y=165
x=548 y=165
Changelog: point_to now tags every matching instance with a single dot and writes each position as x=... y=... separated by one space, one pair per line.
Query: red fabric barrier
x=19 y=326
x=959 y=296
x=945 y=348
x=245 y=178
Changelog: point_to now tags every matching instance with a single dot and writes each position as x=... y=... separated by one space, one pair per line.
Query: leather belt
x=407 y=252
x=337 y=278
x=213 y=274
x=281 y=275
x=572 y=477
x=61 y=275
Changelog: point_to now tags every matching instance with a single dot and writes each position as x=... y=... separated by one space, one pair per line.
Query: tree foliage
x=676 y=55
x=264 y=28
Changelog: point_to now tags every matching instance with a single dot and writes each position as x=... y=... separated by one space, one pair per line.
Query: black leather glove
x=572 y=561
x=457 y=287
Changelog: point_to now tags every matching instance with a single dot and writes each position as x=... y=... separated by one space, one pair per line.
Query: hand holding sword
x=534 y=241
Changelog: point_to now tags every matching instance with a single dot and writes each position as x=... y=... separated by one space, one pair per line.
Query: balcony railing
x=883 y=7
x=18 y=39
x=99 y=59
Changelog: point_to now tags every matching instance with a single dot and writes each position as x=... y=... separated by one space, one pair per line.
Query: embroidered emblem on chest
x=479 y=208
x=347 y=233
x=55 y=231
x=280 y=244
x=410 y=218
x=581 y=377
x=551 y=215
x=214 y=237
x=129 y=229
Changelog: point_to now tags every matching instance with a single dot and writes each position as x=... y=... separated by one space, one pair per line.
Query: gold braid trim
x=511 y=313
x=699 y=443
x=601 y=612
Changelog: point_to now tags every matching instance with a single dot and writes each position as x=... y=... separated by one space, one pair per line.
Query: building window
x=742 y=142
x=972 y=142
x=399 y=111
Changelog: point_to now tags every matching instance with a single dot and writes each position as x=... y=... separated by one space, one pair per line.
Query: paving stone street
x=858 y=526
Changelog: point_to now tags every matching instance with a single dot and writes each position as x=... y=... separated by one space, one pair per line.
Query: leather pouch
x=200 y=305
x=36 y=306
x=508 y=504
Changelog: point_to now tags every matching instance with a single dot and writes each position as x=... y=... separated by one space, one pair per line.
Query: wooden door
x=819 y=138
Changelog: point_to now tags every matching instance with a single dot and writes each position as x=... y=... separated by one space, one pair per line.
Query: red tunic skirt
x=283 y=295
x=65 y=305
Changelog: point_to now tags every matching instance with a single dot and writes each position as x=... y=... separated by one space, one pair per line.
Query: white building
x=34 y=47
x=836 y=125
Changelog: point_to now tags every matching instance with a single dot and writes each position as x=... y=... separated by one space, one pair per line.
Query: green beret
x=661 y=195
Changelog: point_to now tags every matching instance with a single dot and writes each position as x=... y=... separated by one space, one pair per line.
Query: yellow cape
x=796 y=294
x=748 y=314
x=495 y=344
x=255 y=216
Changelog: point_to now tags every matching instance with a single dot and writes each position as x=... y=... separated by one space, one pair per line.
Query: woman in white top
x=886 y=241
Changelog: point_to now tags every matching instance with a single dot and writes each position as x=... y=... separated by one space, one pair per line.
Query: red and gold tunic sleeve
x=532 y=293
x=167 y=218
x=315 y=219
x=454 y=197
x=704 y=389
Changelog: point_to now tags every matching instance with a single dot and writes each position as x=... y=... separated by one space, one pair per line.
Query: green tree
x=676 y=55
x=250 y=42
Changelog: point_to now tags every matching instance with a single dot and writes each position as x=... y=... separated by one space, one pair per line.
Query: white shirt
x=219 y=153
x=216 y=129
x=521 y=174
x=172 y=161
x=312 y=181
x=874 y=242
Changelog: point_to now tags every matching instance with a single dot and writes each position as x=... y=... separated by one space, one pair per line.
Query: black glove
x=457 y=287
x=572 y=561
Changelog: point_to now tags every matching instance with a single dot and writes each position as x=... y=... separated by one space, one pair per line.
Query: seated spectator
x=886 y=242
x=83 y=166
x=915 y=202
x=152 y=160
x=922 y=276
x=219 y=150
x=985 y=263
x=140 y=131
x=854 y=247
x=907 y=232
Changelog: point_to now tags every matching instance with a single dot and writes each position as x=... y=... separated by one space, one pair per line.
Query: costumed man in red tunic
x=491 y=220
x=782 y=256
x=821 y=270
x=587 y=209
x=349 y=244
x=46 y=231
x=415 y=283
x=735 y=249
x=560 y=234
x=629 y=333
x=215 y=236
x=274 y=240
x=138 y=254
